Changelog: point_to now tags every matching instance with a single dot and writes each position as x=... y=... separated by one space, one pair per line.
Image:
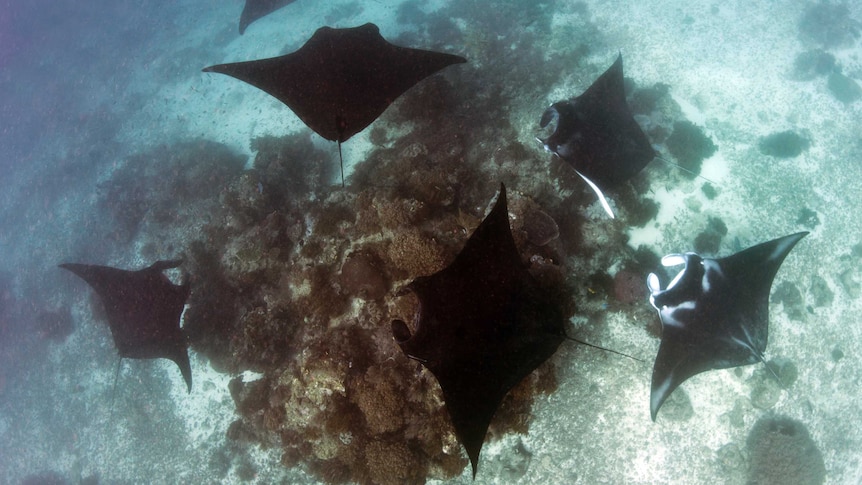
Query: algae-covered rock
x=784 y=144
x=690 y=146
x=813 y=63
x=829 y=25
x=820 y=292
x=843 y=88
x=789 y=295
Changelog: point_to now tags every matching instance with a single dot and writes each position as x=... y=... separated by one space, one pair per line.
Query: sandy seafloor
x=85 y=101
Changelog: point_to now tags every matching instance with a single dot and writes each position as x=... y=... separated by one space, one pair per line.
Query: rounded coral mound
x=362 y=275
x=301 y=290
x=690 y=146
x=784 y=144
x=829 y=25
x=540 y=228
x=782 y=451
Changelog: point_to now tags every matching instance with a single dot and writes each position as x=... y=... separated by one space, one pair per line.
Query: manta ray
x=597 y=134
x=341 y=80
x=255 y=9
x=714 y=313
x=483 y=325
x=143 y=309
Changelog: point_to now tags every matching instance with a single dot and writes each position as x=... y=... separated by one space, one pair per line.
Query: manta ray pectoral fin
x=599 y=193
x=660 y=392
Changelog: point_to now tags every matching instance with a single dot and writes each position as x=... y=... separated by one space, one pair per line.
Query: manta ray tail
x=771 y=371
x=685 y=169
x=601 y=348
x=341 y=161
x=114 y=390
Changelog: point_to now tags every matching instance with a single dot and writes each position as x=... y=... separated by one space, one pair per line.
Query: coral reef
x=808 y=218
x=820 y=292
x=782 y=451
x=629 y=287
x=768 y=381
x=708 y=190
x=155 y=186
x=828 y=25
x=784 y=144
x=811 y=64
x=362 y=275
x=789 y=295
x=690 y=146
x=541 y=228
x=291 y=165
x=709 y=241
x=843 y=88
x=785 y=369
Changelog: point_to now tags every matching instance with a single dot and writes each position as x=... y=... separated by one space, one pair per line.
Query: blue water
x=116 y=149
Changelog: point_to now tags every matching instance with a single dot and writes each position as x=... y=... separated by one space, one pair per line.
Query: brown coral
x=377 y=397
x=362 y=275
x=414 y=254
x=629 y=287
x=392 y=464
x=540 y=228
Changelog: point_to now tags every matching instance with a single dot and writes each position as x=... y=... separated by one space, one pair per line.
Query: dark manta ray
x=483 y=325
x=341 y=80
x=597 y=134
x=714 y=314
x=255 y=9
x=143 y=309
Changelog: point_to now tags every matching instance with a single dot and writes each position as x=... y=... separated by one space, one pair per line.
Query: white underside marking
x=676 y=279
x=599 y=194
x=653 y=283
x=668 y=313
x=673 y=260
x=652 y=302
x=711 y=271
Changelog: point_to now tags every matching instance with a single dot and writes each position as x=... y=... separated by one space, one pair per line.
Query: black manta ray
x=255 y=9
x=483 y=325
x=714 y=313
x=341 y=80
x=143 y=309
x=597 y=134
